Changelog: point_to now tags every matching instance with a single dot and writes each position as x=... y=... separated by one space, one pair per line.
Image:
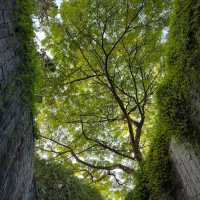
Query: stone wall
x=16 y=124
x=185 y=155
x=187 y=170
x=186 y=158
x=186 y=55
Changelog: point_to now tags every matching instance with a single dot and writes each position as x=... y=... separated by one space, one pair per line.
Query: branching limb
x=83 y=78
x=98 y=167
x=106 y=146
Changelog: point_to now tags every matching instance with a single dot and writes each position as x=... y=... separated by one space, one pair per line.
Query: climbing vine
x=173 y=101
x=30 y=67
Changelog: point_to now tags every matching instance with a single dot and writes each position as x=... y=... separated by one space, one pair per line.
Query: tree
x=56 y=182
x=107 y=55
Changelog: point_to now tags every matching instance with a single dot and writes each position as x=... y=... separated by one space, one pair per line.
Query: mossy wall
x=17 y=66
x=175 y=101
x=178 y=106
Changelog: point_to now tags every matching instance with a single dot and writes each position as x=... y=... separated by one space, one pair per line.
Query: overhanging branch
x=106 y=146
x=98 y=167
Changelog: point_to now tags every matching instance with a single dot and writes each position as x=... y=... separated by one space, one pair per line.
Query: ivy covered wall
x=172 y=165
x=17 y=66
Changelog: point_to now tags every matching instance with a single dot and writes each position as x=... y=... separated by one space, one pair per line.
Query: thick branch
x=124 y=111
x=98 y=167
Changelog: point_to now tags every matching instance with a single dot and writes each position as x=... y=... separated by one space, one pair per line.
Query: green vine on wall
x=30 y=68
x=183 y=67
x=174 y=102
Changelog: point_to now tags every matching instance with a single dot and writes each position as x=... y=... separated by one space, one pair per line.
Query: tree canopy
x=107 y=57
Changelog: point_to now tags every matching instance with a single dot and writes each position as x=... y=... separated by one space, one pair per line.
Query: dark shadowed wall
x=16 y=124
x=185 y=154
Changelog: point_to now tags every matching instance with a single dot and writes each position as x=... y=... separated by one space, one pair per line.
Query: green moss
x=183 y=63
x=140 y=191
x=30 y=68
x=157 y=165
x=174 y=96
x=174 y=99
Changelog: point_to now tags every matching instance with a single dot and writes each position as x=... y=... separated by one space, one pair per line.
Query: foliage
x=140 y=191
x=155 y=178
x=183 y=65
x=106 y=66
x=97 y=99
x=45 y=9
x=174 y=98
x=158 y=166
x=30 y=68
x=56 y=182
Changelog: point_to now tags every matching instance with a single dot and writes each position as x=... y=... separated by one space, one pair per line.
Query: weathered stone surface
x=16 y=123
x=187 y=167
x=186 y=160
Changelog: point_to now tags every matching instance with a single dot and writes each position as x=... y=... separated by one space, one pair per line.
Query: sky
x=58 y=2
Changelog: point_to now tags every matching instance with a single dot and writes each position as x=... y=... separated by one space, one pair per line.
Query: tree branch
x=105 y=146
x=98 y=167
x=83 y=78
